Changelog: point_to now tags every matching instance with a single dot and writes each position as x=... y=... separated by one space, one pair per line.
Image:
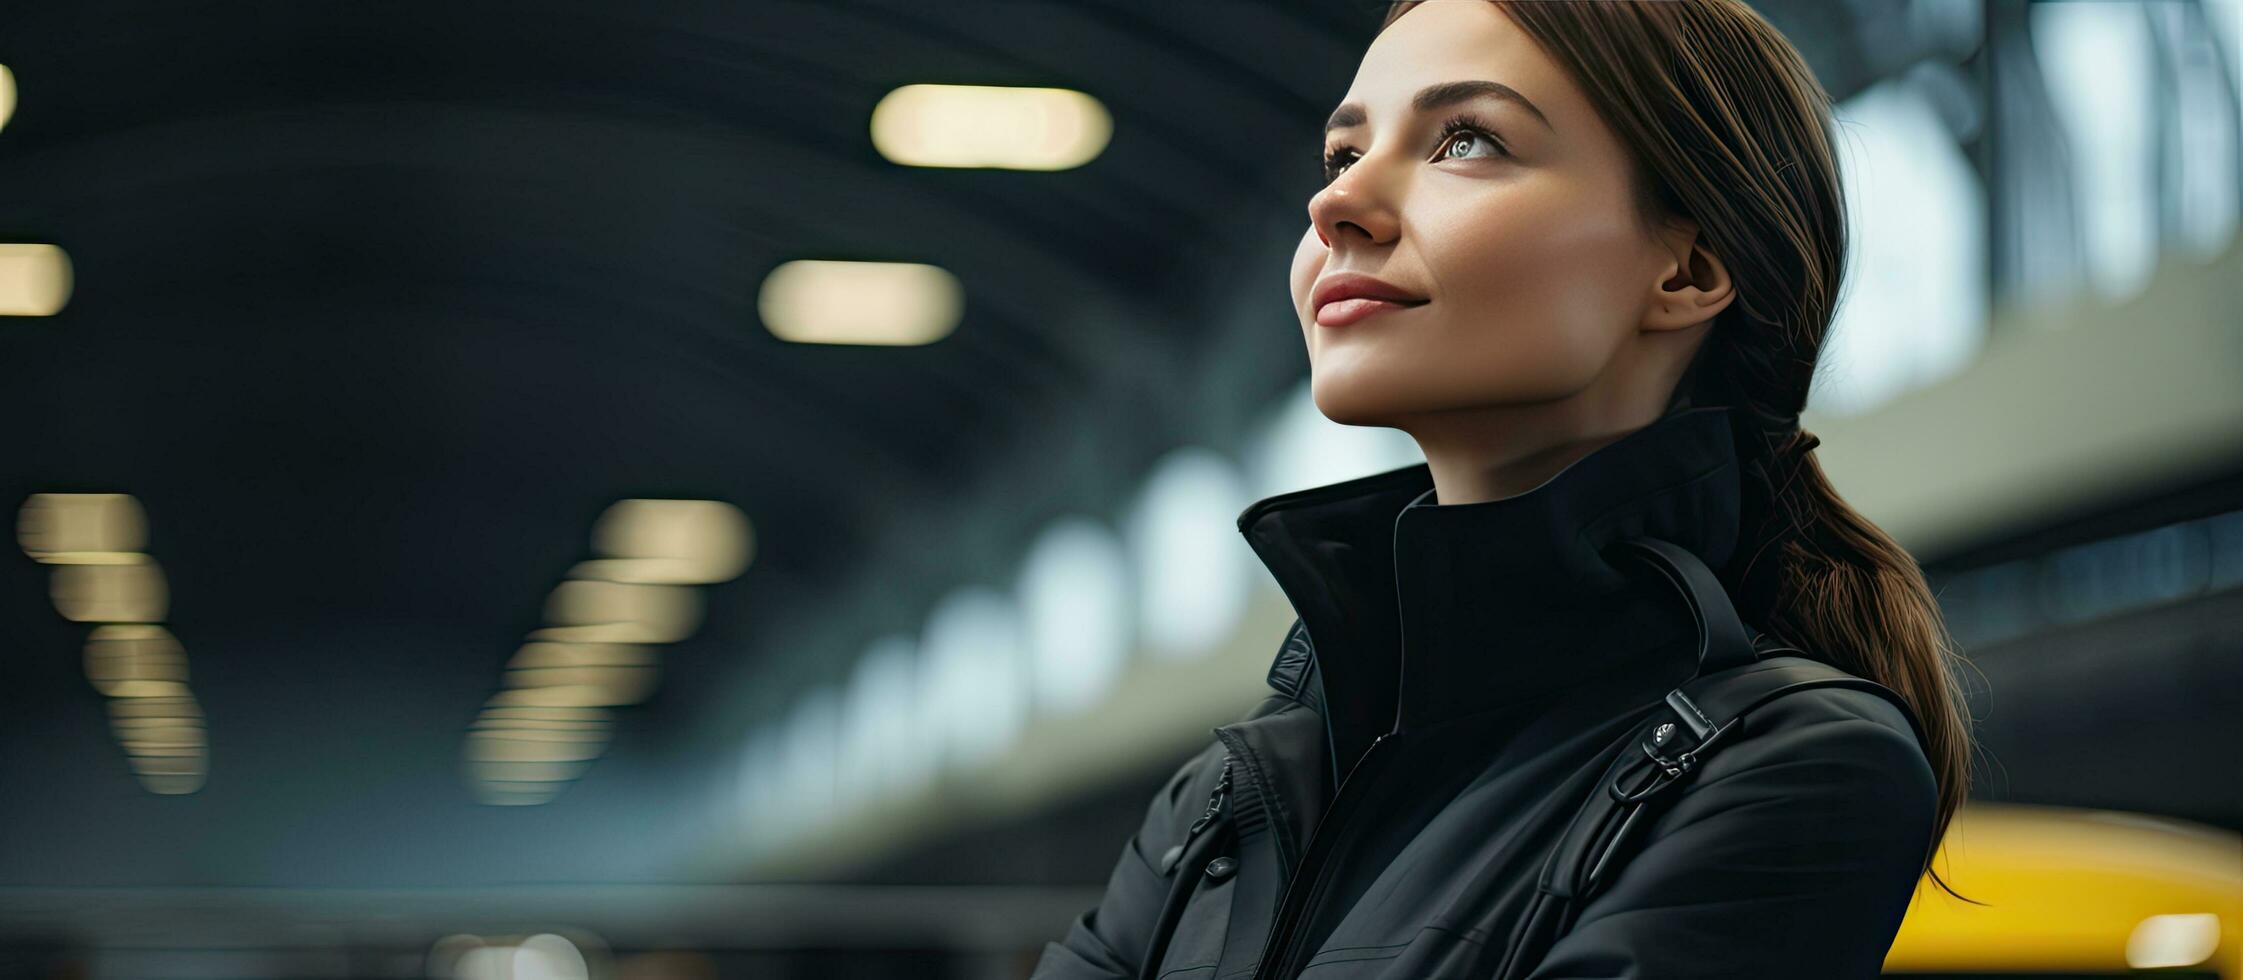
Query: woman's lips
x=1340 y=313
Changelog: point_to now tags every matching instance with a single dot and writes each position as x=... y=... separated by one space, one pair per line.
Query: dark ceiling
x=378 y=305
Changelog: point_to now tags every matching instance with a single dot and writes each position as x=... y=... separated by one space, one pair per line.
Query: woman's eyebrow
x=1439 y=96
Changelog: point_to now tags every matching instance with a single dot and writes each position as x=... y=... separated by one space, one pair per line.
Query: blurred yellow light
x=157 y=722
x=1007 y=127
x=536 y=655
x=502 y=793
x=669 y=542
x=111 y=593
x=818 y=301
x=34 y=280
x=163 y=739
x=106 y=527
x=579 y=686
x=121 y=660
x=483 y=746
x=171 y=785
x=137 y=710
x=92 y=558
x=591 y=611
x=7 y=96
x=2173 y=940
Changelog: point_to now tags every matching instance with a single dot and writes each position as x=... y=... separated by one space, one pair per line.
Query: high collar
x=1418 y=612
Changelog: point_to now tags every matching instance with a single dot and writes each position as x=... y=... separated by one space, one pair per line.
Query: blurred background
x=694 y=490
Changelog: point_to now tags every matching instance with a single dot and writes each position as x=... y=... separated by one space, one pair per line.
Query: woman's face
x=1516 y=228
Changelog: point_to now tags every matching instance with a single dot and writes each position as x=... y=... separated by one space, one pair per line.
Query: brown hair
x=1728 y=127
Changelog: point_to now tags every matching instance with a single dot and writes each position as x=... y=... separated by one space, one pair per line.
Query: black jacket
x=1468 y=670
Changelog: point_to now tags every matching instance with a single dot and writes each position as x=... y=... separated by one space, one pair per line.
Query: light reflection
x=35 y=280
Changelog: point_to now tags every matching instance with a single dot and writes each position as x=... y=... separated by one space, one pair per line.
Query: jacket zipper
x=1278 y=954
x=1302 y=892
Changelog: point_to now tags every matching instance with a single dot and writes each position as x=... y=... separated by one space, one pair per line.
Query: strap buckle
x=1665 y=770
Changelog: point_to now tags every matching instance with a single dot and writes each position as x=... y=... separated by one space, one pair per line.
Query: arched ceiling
x=378 y=305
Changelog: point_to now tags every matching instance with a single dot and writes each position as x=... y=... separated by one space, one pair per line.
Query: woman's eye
x=1333 y=164
x=1467 y=137
x=1456 y=130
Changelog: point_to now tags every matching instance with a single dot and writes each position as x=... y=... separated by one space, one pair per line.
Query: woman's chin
x=1351 y=400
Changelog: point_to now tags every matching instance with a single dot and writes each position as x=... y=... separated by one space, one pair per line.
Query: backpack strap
x=1739 y=670
x=1723 y=641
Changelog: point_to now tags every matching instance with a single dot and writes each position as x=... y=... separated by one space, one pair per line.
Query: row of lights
x=34 y=279
x=807 y=301
x=1172 y=581
x=102 y=575
x=552 y=714
x=816 y=301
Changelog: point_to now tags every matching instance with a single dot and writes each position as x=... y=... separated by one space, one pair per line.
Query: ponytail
x=1818 y=574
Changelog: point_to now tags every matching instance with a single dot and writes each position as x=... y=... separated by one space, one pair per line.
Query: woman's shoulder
x=1832 y=740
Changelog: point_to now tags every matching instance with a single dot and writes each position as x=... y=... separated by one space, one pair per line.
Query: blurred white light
x=882 y=753
x=7 y=96
x=35 y=280
x=815 y=301
x=1075 y=602
x=2203 y=153
x=2096 y=60
x=2173 y=940
x=484 y=963
x=813 y=730
x=548 y=957
x=2226 y=18
x=976 y=677
x=1914 y=303
x=444 y=954
x=1299 y=448
x=760 y=798
x=1192 y=576
x=1014 y=128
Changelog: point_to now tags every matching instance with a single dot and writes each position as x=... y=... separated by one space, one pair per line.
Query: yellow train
x=2075 y=893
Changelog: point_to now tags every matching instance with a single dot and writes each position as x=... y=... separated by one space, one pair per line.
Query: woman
x=1586 y=255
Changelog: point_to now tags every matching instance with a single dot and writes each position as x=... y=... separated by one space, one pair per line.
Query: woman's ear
x=1693 y=287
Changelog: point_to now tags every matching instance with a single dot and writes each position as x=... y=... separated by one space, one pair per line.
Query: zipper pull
x=1214 y=808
